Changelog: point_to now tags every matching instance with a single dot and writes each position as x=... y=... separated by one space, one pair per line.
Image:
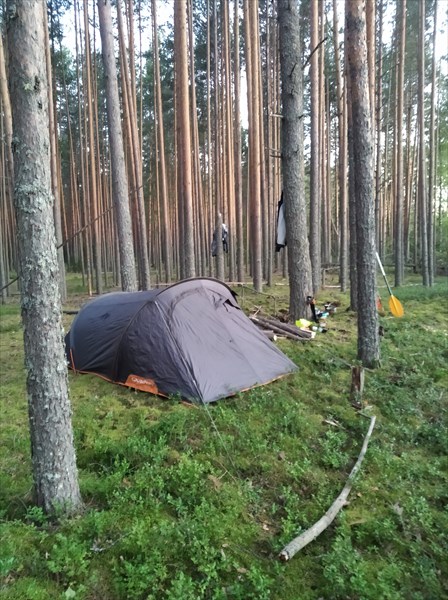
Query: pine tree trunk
x=378 y=117
x=8 y=172
x=91 y=164
x=361 y=163
x=237 y=151
x=253 y=75
x=315 y=186
x=342 y=157
x=52 y=449
x=184 y=134
x=120 y=190
x=432 y=157
x=299 y=266
x=399 y=204
x=422 y=187
x=128 y=80
x=166 y=229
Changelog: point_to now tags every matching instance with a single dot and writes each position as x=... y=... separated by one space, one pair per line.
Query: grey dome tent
x=191 y=339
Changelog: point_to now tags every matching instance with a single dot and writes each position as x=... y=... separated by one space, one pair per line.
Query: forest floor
x=190 y=503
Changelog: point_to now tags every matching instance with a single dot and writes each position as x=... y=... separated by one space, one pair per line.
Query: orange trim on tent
x=145 y=386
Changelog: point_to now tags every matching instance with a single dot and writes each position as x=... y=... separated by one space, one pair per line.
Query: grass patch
x=195 y=503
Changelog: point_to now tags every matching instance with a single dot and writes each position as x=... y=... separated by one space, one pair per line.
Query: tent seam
x=184 y=362
x=115 y=368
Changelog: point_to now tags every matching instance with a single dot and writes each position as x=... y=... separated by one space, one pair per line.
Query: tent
x=191 y=339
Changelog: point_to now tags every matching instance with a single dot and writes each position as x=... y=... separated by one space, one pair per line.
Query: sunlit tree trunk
x=217 y=150
x=198 y=202
x=342 y=157
x=254 y=176
x=184 y=134
x=228 y=122
x=237 y=152
x=163 y=185
x=91 y=162
x=8 y=172
x=210 y=179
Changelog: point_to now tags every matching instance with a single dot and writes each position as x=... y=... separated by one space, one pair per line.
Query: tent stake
x=315 y=530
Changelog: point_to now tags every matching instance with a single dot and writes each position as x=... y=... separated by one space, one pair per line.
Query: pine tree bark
x=128 y=81
x=184 y=134
x=120 y=191
x=90 y=97
x=422 y=187
x=399 y=204
x=52 y=448
x=166 y=230
x=253 y=87
x=361 y=163
x=237 y=151
x=342 y=157
x=8 y=171
x=58 y=208
x=379 y=117
x=432 y=156
x=299 y=265
x=315 y=186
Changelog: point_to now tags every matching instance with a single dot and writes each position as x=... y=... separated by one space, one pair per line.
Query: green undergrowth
x=185 y=502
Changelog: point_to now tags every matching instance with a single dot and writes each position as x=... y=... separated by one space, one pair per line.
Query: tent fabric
x=191 y=339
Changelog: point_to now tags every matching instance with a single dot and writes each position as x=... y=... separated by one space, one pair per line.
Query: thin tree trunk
x=361 y=162
x=432 y=156
x=54 y=166
x=91 y=166
x=422 y=187
x=144 y=270
x=399 y=217
x=120 y=191
x=379 y=116
x=184 y=134
x=315 y=186
x=253 y=88
x=166 y=229
x=237 y=152
x=342 y=157
x=9 y=171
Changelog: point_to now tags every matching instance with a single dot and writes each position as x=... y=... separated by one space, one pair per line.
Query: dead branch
x=292 y=336
x=289 y=327
x=315 y=530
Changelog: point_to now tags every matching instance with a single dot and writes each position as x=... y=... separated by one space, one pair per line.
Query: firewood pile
x=274 y=328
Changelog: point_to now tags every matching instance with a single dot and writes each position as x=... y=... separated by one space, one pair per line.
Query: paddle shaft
x=384 y=274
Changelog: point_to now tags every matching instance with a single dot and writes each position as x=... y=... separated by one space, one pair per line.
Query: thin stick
x=311 y=534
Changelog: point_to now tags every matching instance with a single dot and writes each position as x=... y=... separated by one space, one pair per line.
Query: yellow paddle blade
x=395 y=307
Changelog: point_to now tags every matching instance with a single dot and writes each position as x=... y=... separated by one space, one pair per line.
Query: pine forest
x=224 y=293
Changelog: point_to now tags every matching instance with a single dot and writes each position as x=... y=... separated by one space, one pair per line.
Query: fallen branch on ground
x=315 y=530
x=290 y=331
